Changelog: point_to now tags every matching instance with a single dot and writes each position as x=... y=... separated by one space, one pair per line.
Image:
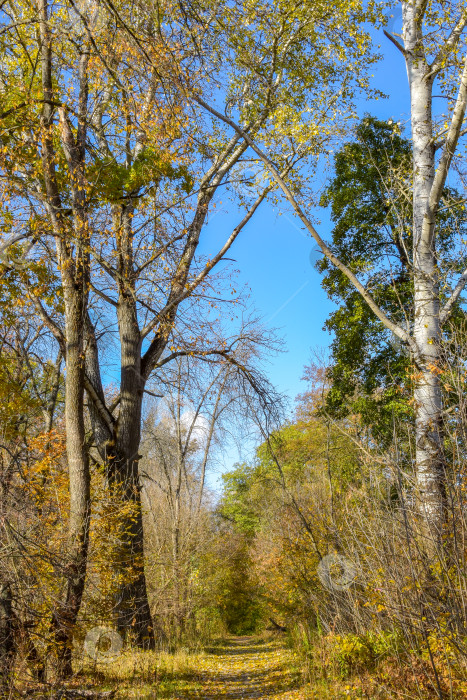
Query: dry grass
x=251 y=667
x=145 y=674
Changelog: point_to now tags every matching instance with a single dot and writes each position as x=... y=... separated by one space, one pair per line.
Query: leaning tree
x=434 y=48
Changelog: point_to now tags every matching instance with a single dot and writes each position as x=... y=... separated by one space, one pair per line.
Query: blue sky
x=273 y=254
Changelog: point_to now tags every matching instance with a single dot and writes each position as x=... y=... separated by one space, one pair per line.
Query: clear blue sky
x=273 y=253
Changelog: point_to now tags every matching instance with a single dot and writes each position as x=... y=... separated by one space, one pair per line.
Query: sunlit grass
x=145 y=674
x=227 y=669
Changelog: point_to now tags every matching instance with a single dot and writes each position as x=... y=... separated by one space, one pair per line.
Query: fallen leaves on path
x=239 y=667
x=246 y=667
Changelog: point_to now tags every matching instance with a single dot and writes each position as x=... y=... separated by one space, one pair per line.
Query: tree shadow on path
x=244 y=668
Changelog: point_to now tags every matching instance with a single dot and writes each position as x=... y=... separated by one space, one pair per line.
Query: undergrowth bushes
x=341 y=557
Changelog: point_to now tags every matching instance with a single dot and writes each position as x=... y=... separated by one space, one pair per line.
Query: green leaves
x=237 y=504
x=114 y=181
x=371 y=206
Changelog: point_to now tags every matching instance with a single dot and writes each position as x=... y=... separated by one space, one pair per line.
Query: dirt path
x=246 y=667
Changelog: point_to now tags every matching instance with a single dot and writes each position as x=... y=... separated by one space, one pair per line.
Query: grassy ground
x=239 y=667
x=253 y=667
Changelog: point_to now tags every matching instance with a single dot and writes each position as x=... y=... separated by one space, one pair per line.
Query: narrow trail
x=247 y=667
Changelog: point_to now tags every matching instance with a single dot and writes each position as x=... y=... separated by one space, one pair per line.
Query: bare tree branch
x=395 y=328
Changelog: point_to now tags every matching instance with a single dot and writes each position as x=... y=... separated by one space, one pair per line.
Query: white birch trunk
x=426 y=334
x=429 y=177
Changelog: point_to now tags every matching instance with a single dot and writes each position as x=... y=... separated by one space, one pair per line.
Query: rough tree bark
x=72 y=243
x=133 y=610
x=118 y=439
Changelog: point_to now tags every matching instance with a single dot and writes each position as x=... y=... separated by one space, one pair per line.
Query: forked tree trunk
x=118 y=439
x=133 y=612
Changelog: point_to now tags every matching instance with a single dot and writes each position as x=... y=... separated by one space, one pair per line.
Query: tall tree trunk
x=79 y=483
x=118 y=439
x=178 y=577
x=118 y=443
x=72 y=242
x=75 y=275
x=427 y=334
x=133 y=610
x=132 y=606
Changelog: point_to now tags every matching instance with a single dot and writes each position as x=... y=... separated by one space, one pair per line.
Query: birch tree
x=433 y=46
x=433 y=60
x=371 y=210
